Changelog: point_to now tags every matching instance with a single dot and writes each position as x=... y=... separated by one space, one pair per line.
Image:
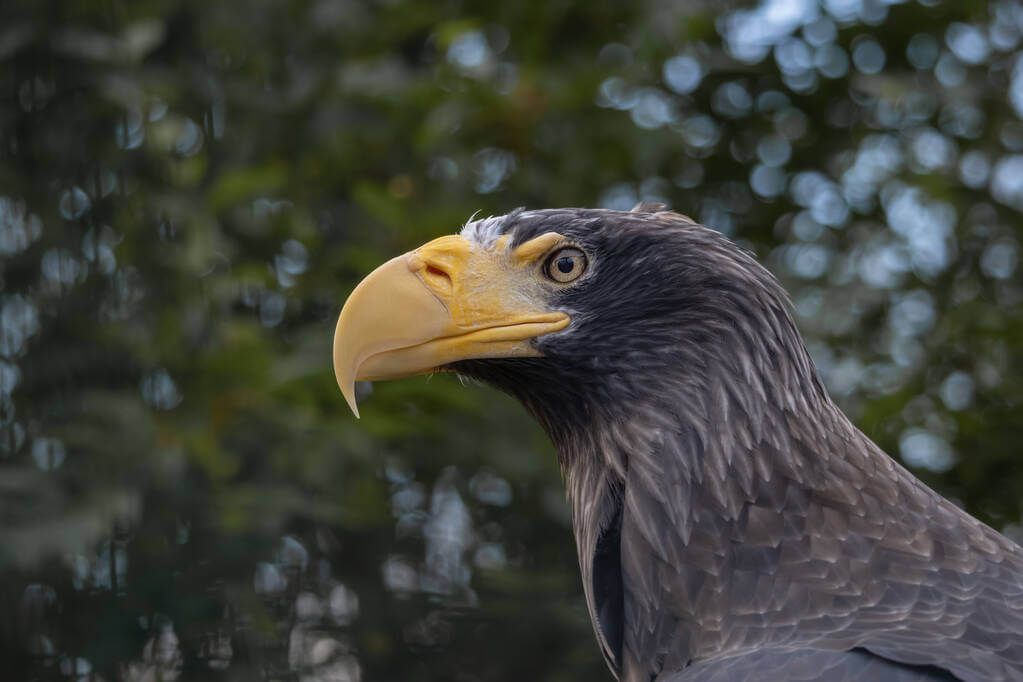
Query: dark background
x=189 y=190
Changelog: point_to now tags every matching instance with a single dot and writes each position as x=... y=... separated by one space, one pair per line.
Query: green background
x=189 y=190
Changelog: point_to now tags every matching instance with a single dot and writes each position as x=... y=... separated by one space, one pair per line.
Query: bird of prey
x=731 y=523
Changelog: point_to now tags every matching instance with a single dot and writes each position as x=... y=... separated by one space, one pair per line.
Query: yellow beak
x=446 y=301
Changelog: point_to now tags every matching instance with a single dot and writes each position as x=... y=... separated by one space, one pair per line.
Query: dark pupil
x=566 y=264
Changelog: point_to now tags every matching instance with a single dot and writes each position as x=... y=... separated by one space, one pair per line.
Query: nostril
x=437 y=278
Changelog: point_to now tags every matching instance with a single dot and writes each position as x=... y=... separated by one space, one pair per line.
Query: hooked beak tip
x=345 y=372
x=354 y=406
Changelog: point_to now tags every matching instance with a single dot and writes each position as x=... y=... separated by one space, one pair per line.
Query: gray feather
x=761 y=535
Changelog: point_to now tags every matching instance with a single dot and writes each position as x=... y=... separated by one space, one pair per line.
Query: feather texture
x=759 y=534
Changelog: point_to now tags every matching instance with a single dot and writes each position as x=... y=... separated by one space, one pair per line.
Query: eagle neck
x=676 y=474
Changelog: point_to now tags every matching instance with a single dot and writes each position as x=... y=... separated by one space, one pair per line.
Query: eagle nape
x=731 y=523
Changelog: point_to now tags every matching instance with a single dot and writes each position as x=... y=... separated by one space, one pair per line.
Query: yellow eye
x=565 y=265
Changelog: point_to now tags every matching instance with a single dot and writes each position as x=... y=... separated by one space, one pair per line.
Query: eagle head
x=584 y=315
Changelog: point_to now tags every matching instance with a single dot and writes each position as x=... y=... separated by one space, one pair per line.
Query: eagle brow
x=538 y=246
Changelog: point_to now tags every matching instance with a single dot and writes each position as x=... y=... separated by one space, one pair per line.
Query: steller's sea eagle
x=731 y=523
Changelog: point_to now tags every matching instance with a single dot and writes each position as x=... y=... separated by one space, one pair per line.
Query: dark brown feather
x=761 y=535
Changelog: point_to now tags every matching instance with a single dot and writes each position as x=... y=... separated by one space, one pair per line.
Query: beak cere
x=448 y=300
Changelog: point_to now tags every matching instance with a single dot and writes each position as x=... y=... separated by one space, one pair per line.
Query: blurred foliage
x=189 y=190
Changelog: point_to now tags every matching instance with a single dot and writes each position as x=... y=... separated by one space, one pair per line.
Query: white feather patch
x=483 y=232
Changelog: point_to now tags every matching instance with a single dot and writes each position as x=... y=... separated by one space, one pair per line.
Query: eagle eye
x=565 y=265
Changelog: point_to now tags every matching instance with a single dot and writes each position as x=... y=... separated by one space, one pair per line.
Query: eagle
x=731 y=522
